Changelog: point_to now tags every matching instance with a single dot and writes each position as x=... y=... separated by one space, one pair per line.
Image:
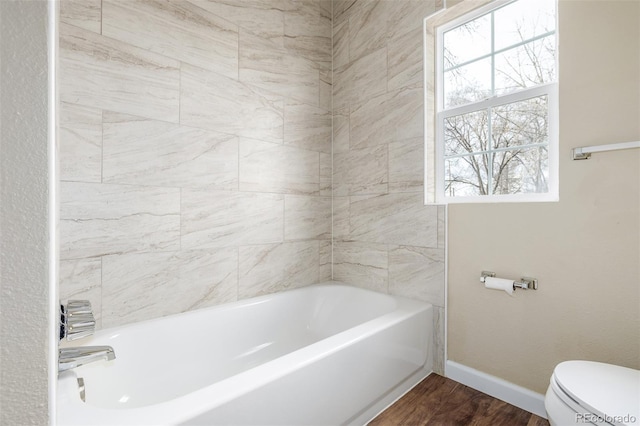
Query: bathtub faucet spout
x=69 y=358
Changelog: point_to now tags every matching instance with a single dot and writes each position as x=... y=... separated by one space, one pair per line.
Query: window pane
x=521 y=171
x=522 y=20
x=467 y=42
x=520 y=123
x=466 y=84
x=526 y=66
x=466 y=133
x=466 y=176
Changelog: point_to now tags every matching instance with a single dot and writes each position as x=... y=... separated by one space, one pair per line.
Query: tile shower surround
x=218 y=150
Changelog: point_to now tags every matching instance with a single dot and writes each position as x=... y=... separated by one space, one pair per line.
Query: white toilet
x=586 y=392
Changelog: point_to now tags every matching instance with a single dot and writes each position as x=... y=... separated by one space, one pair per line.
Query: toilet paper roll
x=499 y=284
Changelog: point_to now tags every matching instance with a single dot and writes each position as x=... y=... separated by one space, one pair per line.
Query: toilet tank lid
x=609 y=391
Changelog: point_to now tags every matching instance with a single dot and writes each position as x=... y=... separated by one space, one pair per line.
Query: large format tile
x=399 y=218
x=417 y=273
x=367 y=27
x=390 y=116
x=361 y=79
x=179 y=30
x=100 y=219
x=307 y=30
x=82 y=13
x=361 y=171
x=406 y=60
x=272 y=268
x=406 y=165
x=262 y=18
x=307 y=127
x=80 y=143
x=148 y=152
x=326 y=172
x=341 y=218
x=139 y=286
x=212 y=101
x=326 y=265
x=341 y=44
x=268 y=167
x=307 y=217
x=361 y=264
x=407 y=15
x=104 y=73
x=341 y=130
x=214 y=219
x=270 y=67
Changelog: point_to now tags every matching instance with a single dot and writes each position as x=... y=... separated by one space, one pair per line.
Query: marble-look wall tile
x=407 y=15
x=361 y=79
x=326 y=89
x=307 y=127
x=104 y=73
x=272 y=68
x=179 y=30
x=141 y=151
x=405 y=60
x=417 y=273
x=211 y=101
x=369 y=123
x=341 y=44
x=361 y=264
x=326 y=171
x=342 y=10
x=265 y=269
x=307 y=30
x=367 y=27
x=215 y=219
x=326 y=261
x=341 y=208
x=137 y=286
x=81 y=279
x=399 y=218
x=100 y=219
x=268 y=167
x=406 y=165
x=442 y=220
x=264 y=19
x=341 y=130
x=438 y=339
x=391 y=116
x=80 y=143
x=82 y=13
x=361 y=171
x=307 y=217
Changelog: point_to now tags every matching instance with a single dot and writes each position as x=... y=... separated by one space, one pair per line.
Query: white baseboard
x=498 y=388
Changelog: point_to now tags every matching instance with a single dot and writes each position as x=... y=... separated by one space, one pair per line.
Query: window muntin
x=497 y=104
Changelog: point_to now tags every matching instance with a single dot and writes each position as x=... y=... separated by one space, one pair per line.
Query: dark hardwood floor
x=438 y=401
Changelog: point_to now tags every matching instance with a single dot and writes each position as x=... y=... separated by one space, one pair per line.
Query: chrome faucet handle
x=77 y=320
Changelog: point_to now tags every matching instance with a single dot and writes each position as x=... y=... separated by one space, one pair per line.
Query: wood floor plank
x=438 y=401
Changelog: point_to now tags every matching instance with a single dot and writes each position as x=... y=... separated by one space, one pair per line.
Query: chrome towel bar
x=584 y=153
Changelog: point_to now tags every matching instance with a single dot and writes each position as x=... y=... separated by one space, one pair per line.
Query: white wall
x=24 y=245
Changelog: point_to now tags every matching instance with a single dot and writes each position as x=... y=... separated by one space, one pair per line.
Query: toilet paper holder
x=525 y=283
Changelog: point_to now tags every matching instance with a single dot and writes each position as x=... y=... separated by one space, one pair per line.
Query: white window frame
x=549 y=89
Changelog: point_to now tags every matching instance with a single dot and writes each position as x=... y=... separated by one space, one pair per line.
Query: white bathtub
x=327 y=354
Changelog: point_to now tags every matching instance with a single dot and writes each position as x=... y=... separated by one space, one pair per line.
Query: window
x=496 y=104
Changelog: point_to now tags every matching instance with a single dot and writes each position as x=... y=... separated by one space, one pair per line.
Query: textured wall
x=24 y=246
x=584 y=249
x=385 y=238
x=195 y=152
